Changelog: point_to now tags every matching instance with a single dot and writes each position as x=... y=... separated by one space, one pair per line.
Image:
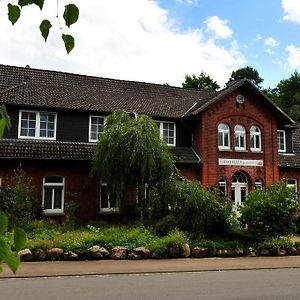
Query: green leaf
x=71 y=14
x=2 y=127
x=69 y=42
x=44 y=28
x=24 y=2
x=4 y=249
x=13 y=261
x=14 y=13
x=19 y=238
x=39 y=3
x=3 y=222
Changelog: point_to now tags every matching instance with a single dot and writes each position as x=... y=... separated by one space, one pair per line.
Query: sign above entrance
x=241 y=162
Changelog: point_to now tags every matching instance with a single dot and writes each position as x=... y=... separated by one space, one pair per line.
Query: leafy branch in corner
x=70 y=16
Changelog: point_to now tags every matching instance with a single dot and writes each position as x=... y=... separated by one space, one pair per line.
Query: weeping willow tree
x=131 y=153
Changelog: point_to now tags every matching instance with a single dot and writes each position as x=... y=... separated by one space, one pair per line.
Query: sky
x=160 y=41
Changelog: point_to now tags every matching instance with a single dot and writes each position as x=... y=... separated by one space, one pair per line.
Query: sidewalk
x=108 y=267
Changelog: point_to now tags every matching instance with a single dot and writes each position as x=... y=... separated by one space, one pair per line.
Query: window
x=281 y=140
x=53 y=195
x=107 y=203
x=223 y=136
x=292 y=184
x=222 y=186
x=96 y=127
x=37 y=125
x=167 y=131
x=258 y=184
x=239 y=137
x=255 y=138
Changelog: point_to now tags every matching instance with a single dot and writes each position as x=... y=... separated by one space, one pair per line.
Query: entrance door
x=239 y=188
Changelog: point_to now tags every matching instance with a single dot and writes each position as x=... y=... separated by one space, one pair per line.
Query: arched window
x=239 y=137
x=223 y=136
x=222 y=186
x=255 y=138
x=258 y=184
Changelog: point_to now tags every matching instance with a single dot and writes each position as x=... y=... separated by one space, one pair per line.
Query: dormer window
x=281 y=141
x=167 y=131
x=96 y=127
x=37 y=125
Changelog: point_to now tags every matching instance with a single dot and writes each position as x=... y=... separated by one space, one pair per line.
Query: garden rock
x=175 y=251
x=140 y=253
x=280 y=252
x=292 y=251
x=251 y=252
x=70 y=255
x=212 y=252
x=156 y=255
x=264 y=252
x=238 y=251
x=55 y=253
x=185 y=251
x=25 y=255
x=97 y=252
x=224 y=253
x=39 y=255
x=199 y=252
x=119 y=253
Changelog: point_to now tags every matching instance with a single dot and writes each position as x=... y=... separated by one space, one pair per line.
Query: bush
x=270 y=213
x=195 y=208
x=276 y=243
x=18 y=200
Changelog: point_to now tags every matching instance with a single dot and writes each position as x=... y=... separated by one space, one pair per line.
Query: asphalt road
x=245 y=284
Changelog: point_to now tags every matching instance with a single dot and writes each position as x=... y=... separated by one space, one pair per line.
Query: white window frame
x=293 y=185
x=223 y=132
x=222 y=182
x=37 y=125
x=254 y=134
x=90 y=127
x=52 y=211
x=284 y=141
x=239 y=134
x=161 y=131
x=258 y=184
x=109 y=209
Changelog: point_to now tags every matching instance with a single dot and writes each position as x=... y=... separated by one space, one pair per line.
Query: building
x=235 y=139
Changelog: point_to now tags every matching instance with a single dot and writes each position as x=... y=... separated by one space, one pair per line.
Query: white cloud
x=293 y=56
x=218 y=27
x=258 y=37
x=195 y=2
x=292 y=10
x=271 y=42
x=137 y=41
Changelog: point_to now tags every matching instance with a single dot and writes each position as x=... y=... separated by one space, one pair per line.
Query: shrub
x=270 y=213
x=18 y=200
x=275 y=243
x=195 y=208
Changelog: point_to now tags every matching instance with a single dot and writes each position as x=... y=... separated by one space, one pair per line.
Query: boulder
x=140 y=253
x=25 y=255
x=251 y=252
x=39 y=255
x=70 y=255
x=238 y=251
x=97 y=252
x=212 y=251
x=224 y=253
x=199 y=252
x=156 y=255
x=185 y=251
x=175 y=251
x=119 y=253
x=55 y=253
x=264 y=252
x=280 y=252
x=292 y=251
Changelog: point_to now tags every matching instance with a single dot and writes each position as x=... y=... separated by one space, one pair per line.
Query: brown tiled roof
x=35 y=149
x=292 y=160
x=52 y=89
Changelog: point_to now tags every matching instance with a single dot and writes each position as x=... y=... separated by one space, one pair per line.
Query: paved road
x=237 y=284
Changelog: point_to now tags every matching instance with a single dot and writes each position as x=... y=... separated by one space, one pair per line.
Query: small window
x=37 y=125
x=255 y=138
x=281 y=140
x=107 y=203
x=53 y=195
x=223 y=136
x=239 y=138
x=292 y=184
x=258 y=184
x=222 y=186
x=96 y=127
x=167 y=131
